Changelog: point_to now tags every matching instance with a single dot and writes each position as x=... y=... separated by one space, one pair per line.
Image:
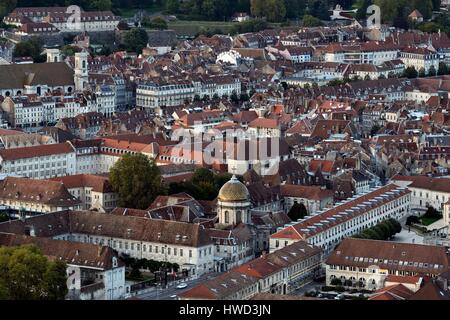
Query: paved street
x=406 y=236
x=313 y=285
x=165 y=294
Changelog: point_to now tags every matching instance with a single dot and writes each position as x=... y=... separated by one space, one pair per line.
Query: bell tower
x=81 y=70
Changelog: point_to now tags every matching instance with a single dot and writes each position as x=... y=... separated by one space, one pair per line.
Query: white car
x=181 y=286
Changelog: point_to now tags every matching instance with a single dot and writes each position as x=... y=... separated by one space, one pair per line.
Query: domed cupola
x=233 y=190
x=233 y=203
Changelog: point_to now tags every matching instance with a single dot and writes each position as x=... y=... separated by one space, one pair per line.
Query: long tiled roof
x=124 y=227
x=36 y=151
x=96 y=182
x=15 y=76
x=36 y=191
x=249 y=273
x=417 y=258
x=341 y=213
x=74 y=253
x=428 y=183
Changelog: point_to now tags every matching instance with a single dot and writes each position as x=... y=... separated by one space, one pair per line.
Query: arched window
x=227 y=217
x=84 y=64
x=238 y=216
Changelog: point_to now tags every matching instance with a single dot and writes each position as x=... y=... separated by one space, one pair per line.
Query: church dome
x=233 y=190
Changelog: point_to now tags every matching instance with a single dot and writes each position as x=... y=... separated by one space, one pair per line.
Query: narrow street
x=158 y=293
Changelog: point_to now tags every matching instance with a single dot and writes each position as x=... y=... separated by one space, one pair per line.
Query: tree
x=432 y=213
x=155 y=23
x=410 y=72
x=422 y=72
x=30 y=48
x=319 y=9
x=6 y=6
x=69 y=51
x=411 y=220
x=443 y=69
x=137 y=181
x=297 y=211
x=257 y=8
x=362 y=10
x=396 y=226
x=432 y=71
x=172 y=6
x=244 y=97
x=136 y=39
x=234 y=97
x=100 y=5
x=336 y=282
x=204 y=185
x=348 y=283
x=202 y=175
x=275 y=10
x=3 y=217
x=28 y=275
x=310 y=21
x=55 y=281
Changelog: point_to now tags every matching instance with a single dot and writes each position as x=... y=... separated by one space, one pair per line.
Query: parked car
x=181 y=286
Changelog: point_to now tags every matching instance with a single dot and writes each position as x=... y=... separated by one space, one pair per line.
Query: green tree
x=202 y=175
x=155 y=23
x=244 y=97
x=336 y=282
x=443 y=69
x=29 y=275
x=422 y=72
x=432 y=213
x=297 y=211
x=375 y=128
x=6 y=6
x=362 y=9
x=411 y=220
x=318 y=9
x=101 y=5
x=69 y=51
x=136 y=39
x=275 y=10
x=234 y=97
x=55 y=281
x=137 y=181
x=396 y=226
x=310 y=21
x=30 y=48
x=432 y=71
x=257 y=8
x=410 y=72
x=172 y=6
x=3 y=217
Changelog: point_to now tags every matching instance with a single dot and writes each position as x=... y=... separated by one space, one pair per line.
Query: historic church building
x=242 y=231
